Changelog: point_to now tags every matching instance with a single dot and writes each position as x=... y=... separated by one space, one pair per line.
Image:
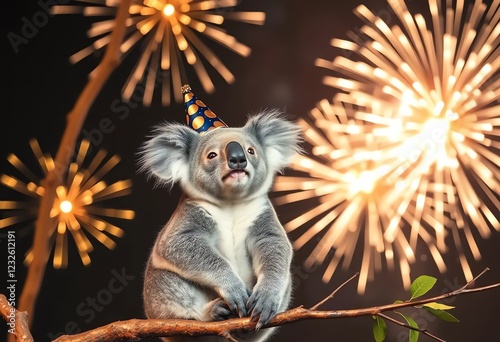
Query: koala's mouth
x=235 y=174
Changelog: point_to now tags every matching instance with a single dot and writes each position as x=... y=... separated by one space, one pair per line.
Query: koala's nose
x=235 y=156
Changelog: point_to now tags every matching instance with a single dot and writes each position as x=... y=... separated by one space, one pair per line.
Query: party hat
x=198 y=116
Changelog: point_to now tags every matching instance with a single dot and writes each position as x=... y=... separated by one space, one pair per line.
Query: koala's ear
x=279 y=137
x=166 y=154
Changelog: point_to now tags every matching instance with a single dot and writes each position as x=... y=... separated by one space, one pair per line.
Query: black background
x=40 y=87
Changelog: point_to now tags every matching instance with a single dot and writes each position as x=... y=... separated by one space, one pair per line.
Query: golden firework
x=74 y=211
x=173 y=33
x=420 y=105
x=355 y=197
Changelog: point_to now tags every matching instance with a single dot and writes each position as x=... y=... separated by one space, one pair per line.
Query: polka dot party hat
x=198 y=116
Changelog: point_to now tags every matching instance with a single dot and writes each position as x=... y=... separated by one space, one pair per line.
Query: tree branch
x=54 y=178
x=135 y=329
x=16 y=320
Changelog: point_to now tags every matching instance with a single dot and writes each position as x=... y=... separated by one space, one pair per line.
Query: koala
x=223 y=253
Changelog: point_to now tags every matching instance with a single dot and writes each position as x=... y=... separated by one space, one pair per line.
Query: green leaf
x=444 y=315
x=398 y=302
x=413 y=334
x=379 y=329
x=421 y=286
x=438 y=306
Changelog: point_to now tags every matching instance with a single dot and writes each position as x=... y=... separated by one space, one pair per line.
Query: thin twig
x=17 y=321
x=75 y=120
x=315 y=307
x=423 y=331
x=475 y=278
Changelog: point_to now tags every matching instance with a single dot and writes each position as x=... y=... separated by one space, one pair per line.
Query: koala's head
x=226 y=164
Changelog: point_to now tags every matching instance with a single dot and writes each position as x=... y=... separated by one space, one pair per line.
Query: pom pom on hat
x=198 y=116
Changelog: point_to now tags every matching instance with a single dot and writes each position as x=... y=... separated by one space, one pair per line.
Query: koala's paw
x=236 y=297
x=220 y=311
x=263 y=305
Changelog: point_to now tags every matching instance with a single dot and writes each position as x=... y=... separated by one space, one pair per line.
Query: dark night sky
x=40 y=87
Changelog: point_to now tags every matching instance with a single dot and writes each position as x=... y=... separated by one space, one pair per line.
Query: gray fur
x=223 y=253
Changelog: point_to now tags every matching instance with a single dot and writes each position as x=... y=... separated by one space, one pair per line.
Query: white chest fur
x=233 y=223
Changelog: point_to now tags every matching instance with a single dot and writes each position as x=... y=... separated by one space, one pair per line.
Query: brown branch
x=17 y=321
x=135 y=329
x=54 y=178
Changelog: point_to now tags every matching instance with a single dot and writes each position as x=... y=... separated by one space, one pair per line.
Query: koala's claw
x=220 y=311
x=236 y=299
x=237 y=305
x=263 y=306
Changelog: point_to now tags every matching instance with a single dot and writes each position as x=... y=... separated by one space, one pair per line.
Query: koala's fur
x=223 y=253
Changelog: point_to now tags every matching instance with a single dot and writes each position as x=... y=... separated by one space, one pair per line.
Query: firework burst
x=73 y=212
x=356 y=195
x=420 y=105
x=170 y=31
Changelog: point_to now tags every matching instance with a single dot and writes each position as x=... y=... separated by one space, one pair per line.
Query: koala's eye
x=251 y=150
x=212 y=155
